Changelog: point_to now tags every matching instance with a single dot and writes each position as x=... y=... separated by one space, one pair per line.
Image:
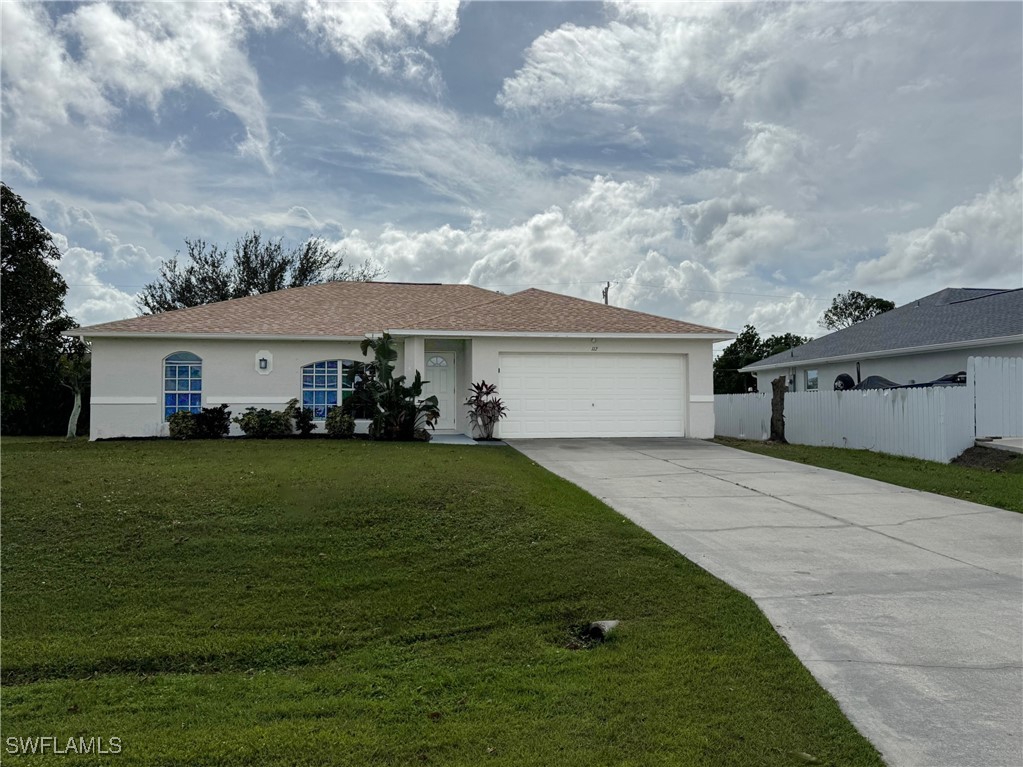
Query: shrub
x=183 y=425
x=339 y=424
x=303 y=418
x=213 y=422
x=264 y=423
x=485 y=409
x=209 y=423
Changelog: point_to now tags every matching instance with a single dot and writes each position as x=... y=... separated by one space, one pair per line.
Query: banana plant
x=400 y=412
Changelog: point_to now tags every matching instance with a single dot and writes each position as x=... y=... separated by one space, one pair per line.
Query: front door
x=440 y=374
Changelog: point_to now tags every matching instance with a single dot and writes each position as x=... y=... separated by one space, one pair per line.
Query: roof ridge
x=618 y=308
x=496 y=297
x=990 y=292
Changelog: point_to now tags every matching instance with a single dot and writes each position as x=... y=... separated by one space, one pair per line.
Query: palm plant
x=400 y=412
x=485 y=409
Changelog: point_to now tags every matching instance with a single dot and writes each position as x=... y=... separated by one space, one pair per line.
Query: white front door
x=440 y=377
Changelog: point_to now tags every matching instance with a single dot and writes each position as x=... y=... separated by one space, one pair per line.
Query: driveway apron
x=906 y=606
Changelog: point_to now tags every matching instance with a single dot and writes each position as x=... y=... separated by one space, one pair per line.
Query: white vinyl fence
x=997 y=385
x=935 y=424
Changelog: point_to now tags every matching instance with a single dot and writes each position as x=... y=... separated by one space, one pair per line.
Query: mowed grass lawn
x=996 y=482
x=318 y=602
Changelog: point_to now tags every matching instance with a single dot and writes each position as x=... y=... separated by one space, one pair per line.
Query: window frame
x=342 y=386
x=187 y=397
x=816 y=379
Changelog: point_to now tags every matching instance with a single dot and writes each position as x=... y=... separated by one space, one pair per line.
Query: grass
x=306 y=603
x=1002 y=488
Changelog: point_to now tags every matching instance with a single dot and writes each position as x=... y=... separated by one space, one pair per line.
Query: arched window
x=328 y=383
x=182 y=384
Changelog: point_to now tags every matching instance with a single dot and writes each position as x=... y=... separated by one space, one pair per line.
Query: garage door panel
x=592 y=395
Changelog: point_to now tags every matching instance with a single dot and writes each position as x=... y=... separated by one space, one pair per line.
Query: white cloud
x=145 y=50
x=43 y=86
x=976 y=244
x=684 y=53
x=387 y=36
x=465 y=160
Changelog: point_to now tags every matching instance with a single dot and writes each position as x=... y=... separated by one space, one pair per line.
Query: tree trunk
x=778 y=409
x=72 y=423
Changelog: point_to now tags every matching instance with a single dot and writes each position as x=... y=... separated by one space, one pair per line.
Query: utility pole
x=605 y=292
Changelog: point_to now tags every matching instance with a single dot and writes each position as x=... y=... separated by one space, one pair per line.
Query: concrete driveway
x=906 y=606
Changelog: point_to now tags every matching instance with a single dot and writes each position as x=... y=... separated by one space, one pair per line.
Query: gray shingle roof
x=952 y=315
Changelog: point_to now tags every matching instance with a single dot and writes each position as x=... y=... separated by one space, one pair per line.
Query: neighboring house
x=919 y=342
x=565 y=367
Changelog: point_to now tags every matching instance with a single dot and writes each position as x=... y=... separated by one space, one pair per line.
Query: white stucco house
x=565 y=367
x=915 y=343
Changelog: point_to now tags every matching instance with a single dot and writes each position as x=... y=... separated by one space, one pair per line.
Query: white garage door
x=592 y=395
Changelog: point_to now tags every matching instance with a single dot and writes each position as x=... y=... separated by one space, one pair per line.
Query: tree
x=782 y=343
x=256 y=265
x=75 y=369
x=849 y=308
x=746 y=349
x=32 y=315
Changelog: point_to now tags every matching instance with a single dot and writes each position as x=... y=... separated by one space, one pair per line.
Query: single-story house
x=565 y=367
x=915 y=343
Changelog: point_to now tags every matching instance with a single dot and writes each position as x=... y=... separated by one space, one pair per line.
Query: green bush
x=213 y=422
x=263 y=423
x=209 y=423
x=303 y=418
x=340 y=425
x=183 y=425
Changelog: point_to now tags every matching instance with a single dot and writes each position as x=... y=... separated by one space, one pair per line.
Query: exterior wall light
x=264 y=362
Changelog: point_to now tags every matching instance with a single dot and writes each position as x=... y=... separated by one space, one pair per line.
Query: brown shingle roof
x=539 y=311
x=330 y=309
x=353 y=309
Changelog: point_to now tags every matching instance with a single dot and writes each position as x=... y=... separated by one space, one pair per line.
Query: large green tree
x=746 y=349
x=32 y=316
x=849 y=308
x=782 y=343
x=254 y=265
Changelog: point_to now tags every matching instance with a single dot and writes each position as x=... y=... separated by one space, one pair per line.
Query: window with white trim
x=811 y=380
x=328 y=383
x=182 y=384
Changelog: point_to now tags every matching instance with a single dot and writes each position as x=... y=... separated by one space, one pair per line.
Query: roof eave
x=714 y=336
x=85 y=333
x=908 y=350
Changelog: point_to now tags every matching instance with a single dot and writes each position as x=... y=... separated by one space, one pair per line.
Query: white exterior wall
x=699 y=385
x=919 y=368
x=127 y=378
x=127 y=373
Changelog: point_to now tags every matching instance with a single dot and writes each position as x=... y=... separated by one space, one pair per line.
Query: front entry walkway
x=906 y=606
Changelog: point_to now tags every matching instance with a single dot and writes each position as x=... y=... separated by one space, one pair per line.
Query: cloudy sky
x=719 y=163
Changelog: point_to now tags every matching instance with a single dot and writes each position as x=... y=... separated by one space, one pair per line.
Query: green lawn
x=305 y=603
x=997 y=482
